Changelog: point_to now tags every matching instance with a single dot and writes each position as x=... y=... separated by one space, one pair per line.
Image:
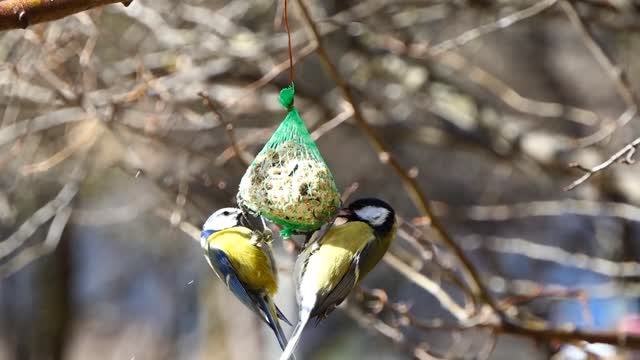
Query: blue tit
x=242 y=258
x=327 y=270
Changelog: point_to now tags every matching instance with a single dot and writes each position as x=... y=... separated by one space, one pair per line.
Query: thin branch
x=59 y=209
x=485 y=29
x=489 y=82
x=410 y=183
x=542 y=333
x=19 y=14
x=34 y=252
x=615 y=72
x=554 y=254
x=625 y=154
x=272 y=74
x=429 y=285
x=38 y=218
x=40 y=123
x=228 y=127
x=345 y=115
x=548 y=208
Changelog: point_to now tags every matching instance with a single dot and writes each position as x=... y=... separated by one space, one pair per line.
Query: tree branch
x=19 y=14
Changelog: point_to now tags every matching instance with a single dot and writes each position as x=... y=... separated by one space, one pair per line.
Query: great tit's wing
x=224 y=269
x=349 y=280
x=327 y=304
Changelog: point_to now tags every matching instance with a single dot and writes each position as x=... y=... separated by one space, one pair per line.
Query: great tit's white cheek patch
x=373 y=214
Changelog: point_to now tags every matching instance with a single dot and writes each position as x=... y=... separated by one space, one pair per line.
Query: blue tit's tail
x=269 y=309
x=295 y=337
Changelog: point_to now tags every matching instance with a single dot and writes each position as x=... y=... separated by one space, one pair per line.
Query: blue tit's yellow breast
x=252 y=265
x=333 y=258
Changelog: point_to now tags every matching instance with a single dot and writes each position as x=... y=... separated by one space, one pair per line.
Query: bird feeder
x=289 y=182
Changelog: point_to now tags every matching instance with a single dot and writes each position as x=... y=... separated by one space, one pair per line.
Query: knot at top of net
x=286 y=97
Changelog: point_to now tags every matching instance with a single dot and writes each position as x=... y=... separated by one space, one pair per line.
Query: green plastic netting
x=288 y=182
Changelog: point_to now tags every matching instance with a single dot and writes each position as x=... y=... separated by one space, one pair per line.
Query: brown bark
x=15 y=14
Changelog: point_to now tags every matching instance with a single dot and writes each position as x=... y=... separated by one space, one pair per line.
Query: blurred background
x=110 y=162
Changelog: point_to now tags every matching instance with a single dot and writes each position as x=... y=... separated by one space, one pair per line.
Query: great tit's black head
x=222 y=219
x=375 y=212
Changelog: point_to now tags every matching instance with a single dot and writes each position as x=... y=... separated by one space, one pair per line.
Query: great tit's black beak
x=345 y=213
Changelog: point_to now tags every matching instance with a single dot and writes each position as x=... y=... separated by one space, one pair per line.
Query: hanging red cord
x=286 y=25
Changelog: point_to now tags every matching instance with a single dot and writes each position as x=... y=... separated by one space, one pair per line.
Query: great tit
x=242 y=258
x=327 y=270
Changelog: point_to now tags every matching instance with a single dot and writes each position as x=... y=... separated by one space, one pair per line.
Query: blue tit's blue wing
x=225 y=271
x=258 y=303
x=282 y=317
x=269 y=309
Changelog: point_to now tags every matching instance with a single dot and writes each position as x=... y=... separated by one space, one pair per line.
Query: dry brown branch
x=416 y=194
x=625 y=155
x=19 y=14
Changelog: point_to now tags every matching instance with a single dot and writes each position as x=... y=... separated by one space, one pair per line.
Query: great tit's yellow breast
x=329 y=263
x=251 y=264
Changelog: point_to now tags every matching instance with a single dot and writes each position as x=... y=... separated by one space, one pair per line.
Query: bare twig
x=34 y=252
x=59 y=208
x=548 y=208
x=625 y=154
x=333 y=123
x=615 y=72
x=532 y=250
x=429 y=285
x=38 y=218
x=228 y=127
x=485 y=29
x=542 y=333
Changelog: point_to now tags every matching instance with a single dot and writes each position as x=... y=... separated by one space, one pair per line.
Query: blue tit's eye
x=226 y=213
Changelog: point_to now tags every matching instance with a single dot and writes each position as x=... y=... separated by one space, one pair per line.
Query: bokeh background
x=110 y=162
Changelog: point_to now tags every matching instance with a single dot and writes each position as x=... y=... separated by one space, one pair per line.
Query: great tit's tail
x=295 y=336
x=269 y=308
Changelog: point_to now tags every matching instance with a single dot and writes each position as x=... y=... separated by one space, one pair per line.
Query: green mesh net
x=288 y=182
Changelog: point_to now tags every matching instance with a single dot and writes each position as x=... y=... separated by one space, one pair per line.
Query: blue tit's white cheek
x=222 y=219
